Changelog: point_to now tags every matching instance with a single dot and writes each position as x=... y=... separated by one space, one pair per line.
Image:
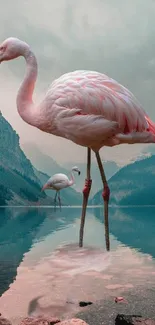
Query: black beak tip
x=79 y=172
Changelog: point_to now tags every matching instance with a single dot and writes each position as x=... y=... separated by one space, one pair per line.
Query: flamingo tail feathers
x=151 y=125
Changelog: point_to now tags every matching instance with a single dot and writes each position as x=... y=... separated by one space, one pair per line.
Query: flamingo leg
x=106 y=196
x=55 y=201
x=86 y=192
x=59 y=199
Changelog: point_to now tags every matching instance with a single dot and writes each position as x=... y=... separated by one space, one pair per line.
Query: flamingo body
x=58 y=182
x=93 y=110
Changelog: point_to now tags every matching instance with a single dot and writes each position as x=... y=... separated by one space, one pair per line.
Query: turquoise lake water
x=39 y=257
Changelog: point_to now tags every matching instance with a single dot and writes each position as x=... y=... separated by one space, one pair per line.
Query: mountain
x=19 y=182
x=42 y=161
x=110 y=169
x=133 y=184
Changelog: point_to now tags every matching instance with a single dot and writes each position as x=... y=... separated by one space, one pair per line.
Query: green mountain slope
x=134 y=184
x=20 y=183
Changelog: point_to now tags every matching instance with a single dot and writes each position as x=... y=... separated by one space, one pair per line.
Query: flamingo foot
x=86 y=191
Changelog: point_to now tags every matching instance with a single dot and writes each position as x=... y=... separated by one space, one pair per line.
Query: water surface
x=42 y=270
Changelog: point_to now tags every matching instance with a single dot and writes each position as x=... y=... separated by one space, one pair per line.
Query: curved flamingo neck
x=72 y=180
x=25 y=105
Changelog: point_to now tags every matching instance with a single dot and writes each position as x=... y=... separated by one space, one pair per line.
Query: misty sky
x=113 y=37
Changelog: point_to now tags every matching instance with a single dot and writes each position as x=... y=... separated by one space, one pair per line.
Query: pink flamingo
x=59 y=181
x=86 y=107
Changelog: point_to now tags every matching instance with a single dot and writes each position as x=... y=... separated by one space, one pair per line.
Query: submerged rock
x=85 y=303
x=122 y=319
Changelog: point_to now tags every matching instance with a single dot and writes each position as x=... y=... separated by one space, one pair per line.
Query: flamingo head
x=76 y=169
x=12 y=48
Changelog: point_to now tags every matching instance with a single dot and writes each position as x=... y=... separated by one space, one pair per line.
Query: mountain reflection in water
x=51 y=274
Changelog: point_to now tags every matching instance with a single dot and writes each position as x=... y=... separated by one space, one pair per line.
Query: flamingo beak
x=79 y=172
x=1 y=59
x=44 y=188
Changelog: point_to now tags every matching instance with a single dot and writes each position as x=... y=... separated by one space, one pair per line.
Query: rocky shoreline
x=41 y=320
x=48 y=320
x=120 y=319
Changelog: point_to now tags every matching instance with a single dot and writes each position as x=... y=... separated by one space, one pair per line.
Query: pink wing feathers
x=86 y=130
x=88 y=105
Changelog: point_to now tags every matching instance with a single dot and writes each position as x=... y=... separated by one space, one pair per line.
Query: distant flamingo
x=86 y=107
x=59 y=181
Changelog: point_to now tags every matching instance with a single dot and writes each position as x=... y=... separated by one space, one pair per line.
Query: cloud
x=86 y=34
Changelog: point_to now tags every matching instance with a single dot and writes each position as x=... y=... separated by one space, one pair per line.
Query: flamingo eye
x=2 y=48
